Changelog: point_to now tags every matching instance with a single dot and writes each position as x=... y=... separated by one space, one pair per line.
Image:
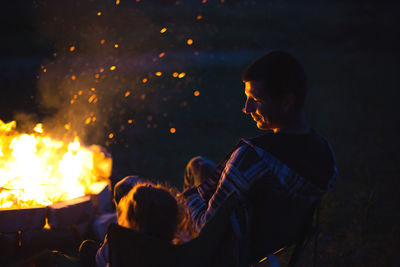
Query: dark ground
x=348 y=50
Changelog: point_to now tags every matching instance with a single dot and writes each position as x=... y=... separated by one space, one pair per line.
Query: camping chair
x=273 y=216
x=247 y=231
x=299 y=246
x=131 y=248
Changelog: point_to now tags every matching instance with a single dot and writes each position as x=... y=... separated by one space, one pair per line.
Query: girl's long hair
x=150 y=209
x=155 y=210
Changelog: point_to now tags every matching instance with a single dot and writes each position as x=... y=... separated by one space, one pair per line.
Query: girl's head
x=150 y=209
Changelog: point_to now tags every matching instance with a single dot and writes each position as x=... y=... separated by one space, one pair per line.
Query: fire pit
x=50 y=190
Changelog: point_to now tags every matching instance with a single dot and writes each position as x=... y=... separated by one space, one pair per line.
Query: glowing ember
x=196 y=93
x=113 y=68
x=163 y=30
x=144 y=80
x=92 y=98
x=158 y=73
x=36 y=170
x=38 y=128
x=172 y=130
x=181 y=75
x=72 y=48
x=189 y=41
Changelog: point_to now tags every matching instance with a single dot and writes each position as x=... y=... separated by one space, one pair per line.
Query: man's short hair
x=281 y=73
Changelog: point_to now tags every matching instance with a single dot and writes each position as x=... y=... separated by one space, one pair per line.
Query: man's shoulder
x=310 y=155
x=283 y=143
x=244 y=154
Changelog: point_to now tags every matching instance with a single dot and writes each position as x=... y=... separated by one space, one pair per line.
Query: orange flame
x=36 y=170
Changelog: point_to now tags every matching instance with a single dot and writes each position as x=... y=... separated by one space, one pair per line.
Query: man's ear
x=288 y=102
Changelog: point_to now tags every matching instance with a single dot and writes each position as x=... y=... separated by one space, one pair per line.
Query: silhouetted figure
x=291 y=163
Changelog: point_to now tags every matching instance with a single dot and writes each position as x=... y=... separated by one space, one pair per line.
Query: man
x=293 y=162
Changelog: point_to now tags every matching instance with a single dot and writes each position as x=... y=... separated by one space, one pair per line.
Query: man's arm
x=247 y=164
x=241 y=170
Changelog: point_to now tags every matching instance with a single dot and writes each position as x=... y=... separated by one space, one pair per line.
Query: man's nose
x=248 y=106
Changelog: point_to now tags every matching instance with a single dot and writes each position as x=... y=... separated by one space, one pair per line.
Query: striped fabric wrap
x=238 y=171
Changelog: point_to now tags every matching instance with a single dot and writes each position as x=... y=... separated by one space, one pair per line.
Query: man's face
x=265 y=112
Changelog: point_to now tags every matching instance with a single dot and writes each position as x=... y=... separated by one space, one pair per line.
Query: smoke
x=90 y=81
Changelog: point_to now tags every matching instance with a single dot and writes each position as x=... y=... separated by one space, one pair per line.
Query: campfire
x=36 y=170
x=50 y=191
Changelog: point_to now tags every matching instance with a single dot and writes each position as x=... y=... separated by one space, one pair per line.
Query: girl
x=147 y=208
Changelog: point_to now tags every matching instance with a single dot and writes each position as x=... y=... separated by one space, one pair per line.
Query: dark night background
x=348 y=49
